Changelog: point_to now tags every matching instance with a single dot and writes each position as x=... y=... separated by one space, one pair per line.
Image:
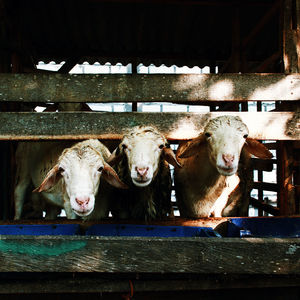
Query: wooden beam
x=287 y=195
x=291 y=36
x=262 y=22
x=132 y=255
x=191 y=88
x=262 y=164
x=267 y=186
x=68 y=65
x=175 y=126
x=179 y=287
x=267 y=62
x=265 y=207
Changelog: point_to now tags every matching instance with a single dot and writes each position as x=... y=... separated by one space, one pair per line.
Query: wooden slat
x=175 y=126
x=291 y=36
x=273 y=256
x=191 y=88
x=179 y=287
x=170 y=221
x=262 y=164
x=265 y=207
x=266 y=186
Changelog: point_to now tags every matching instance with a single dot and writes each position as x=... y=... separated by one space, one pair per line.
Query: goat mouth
x=226 y=170
x=82 y=213
x=141 y=182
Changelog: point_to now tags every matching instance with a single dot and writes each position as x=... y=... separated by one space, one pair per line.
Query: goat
x=141 y=161
x=214 y=178
x=67 y=177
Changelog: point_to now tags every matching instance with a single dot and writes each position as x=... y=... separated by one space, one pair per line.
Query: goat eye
x=124 y=146
x=207 y=134
x=245 y=136
x=100 y=169
x=161 y=146
x=61 y=170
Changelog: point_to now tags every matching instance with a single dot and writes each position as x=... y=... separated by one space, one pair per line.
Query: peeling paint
x=292 y=249
x=39 y=249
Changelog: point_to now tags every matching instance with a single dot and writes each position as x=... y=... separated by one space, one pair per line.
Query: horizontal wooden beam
x=268 y=186
x=175 y=126
x=262 y=164
x=190 y=88
x=116 y=283
x=132 y=255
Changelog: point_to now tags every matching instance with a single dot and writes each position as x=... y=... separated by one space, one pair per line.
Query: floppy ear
x=115 y=157
x=191 y=147
x=256 y=148
x=52 y=177
x=110 y=175
x=170 y=157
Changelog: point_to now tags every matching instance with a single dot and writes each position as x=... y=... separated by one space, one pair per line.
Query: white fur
x=78 y=166
x=143 y=152
x=207 y=184
x=141 y=165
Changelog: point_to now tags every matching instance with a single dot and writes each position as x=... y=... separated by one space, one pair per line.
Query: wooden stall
x=256 y=47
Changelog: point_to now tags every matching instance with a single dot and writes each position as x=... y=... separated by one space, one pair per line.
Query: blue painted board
x=52 y=229
x=150 y=230
x=264 y=227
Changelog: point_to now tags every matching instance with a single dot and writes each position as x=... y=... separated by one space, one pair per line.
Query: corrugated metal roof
x=170 y=32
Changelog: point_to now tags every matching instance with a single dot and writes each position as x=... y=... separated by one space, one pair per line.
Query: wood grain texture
x=66 y=283
x=150 y=255
x=175 y=126
x=147 y=88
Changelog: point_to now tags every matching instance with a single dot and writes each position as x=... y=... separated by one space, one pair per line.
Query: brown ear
x=110 y=175
x=115 y=157
x=50 y=180
x=170 y=157
x=256 y=148
x=191 y=147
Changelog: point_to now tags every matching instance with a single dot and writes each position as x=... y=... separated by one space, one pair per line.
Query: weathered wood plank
x=265 y=207
x=175 y=126
x=69 y=283
x=266 y=186
x=170 y=221
x=265 y=256
x=291 y=36
x=192 y=88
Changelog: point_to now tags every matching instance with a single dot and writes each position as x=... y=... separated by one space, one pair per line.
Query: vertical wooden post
x=296 y=146
x=291 y=59
x=260 y=192
x=134 y=71
x=291 y=36
x=285 y=172
x=5 y=152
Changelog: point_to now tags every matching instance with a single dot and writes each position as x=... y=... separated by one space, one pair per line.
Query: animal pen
x=255 y=46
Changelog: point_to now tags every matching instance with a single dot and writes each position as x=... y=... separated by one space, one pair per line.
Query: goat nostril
x=82 y=200
x=142 y=171
x=228 y=159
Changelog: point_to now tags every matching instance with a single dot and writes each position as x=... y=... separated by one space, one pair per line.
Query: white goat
x=142 y=163
x=71 y=176
x=214 y=178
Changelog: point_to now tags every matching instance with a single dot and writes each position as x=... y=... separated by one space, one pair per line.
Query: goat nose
x=142 y=171
x=228 y=159
x=84 y=200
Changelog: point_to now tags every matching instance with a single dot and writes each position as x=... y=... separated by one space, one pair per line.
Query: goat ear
x=110 y=175
x=170 y=157
x=115 y=157
x=50 y=180
x=256 y=148
x=191 y=147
